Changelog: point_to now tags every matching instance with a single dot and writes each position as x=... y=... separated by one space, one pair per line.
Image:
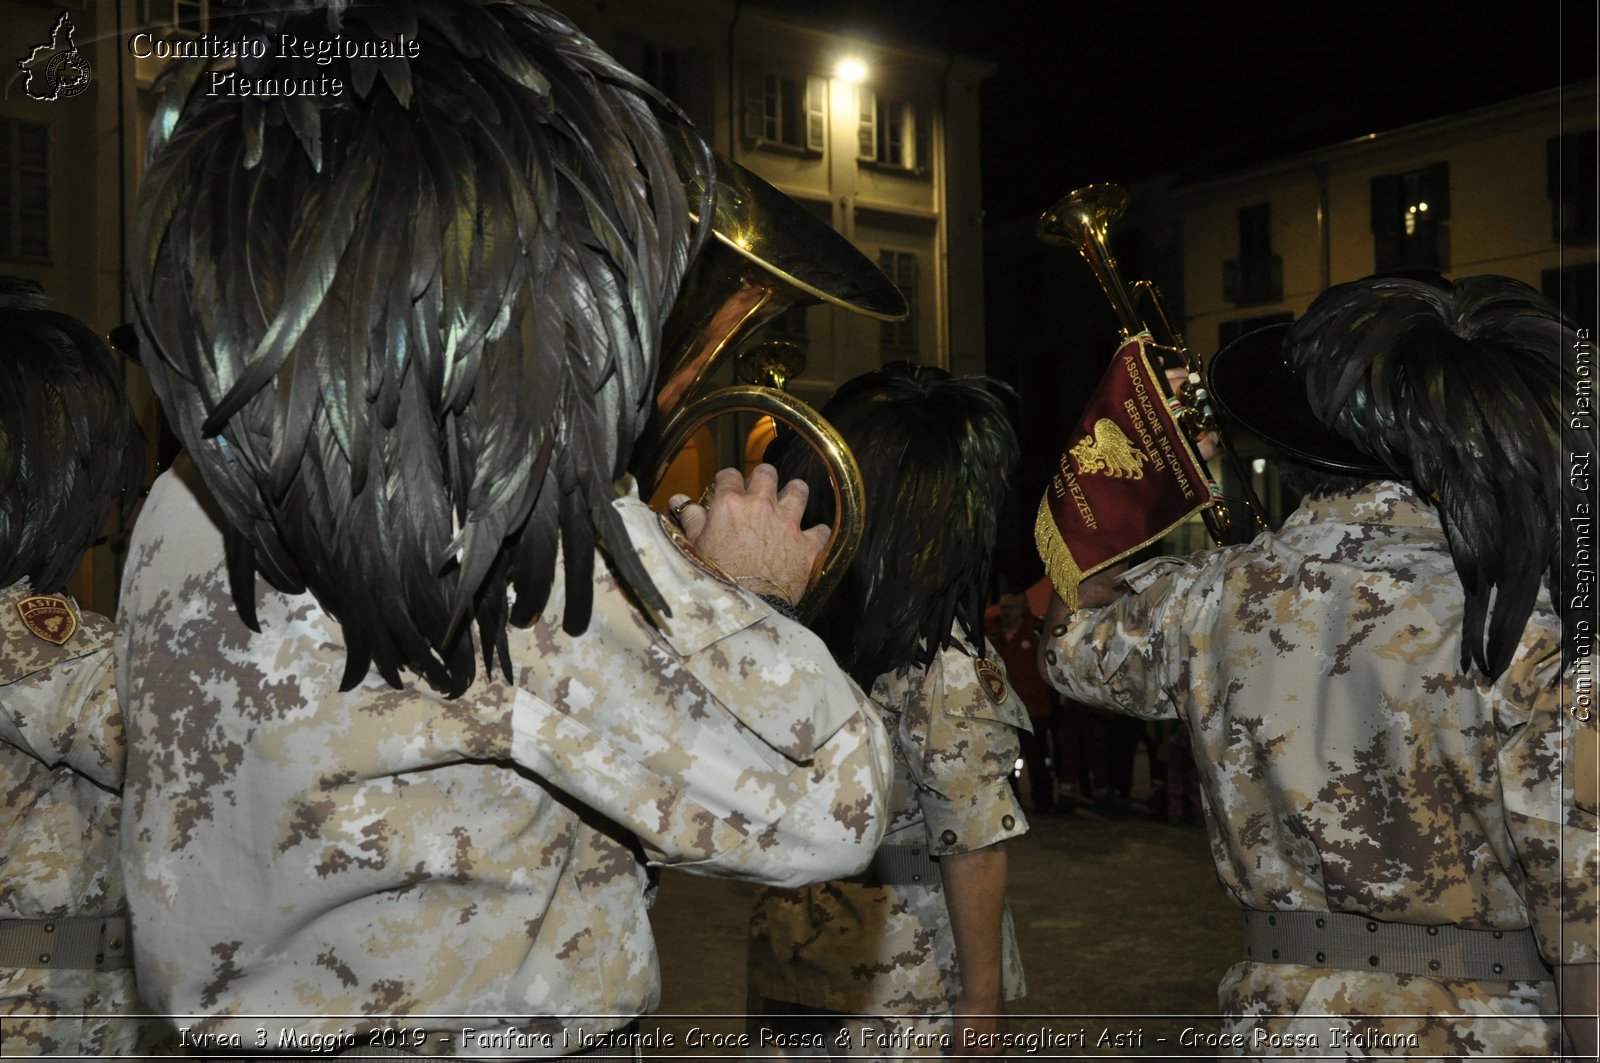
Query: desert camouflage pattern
x=1347 y=764
x=863 y=949
x=387 y=860
x=61 y=760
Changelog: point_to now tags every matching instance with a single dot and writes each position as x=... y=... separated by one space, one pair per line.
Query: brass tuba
x=1083 y=220
x=767 y=254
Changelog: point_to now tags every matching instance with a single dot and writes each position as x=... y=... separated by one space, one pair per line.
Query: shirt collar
x=1386 y=503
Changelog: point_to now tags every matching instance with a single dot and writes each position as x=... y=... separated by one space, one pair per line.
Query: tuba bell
x=767 y=254
x=1082 y=219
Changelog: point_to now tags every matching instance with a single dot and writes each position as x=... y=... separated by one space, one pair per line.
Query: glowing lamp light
x=852 y=70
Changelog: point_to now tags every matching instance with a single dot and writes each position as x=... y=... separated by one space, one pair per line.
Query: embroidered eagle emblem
x=1109 y=451
x=49 y=617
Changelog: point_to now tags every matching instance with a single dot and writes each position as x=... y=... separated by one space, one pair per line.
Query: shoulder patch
x=49 y=617
x=991 y=677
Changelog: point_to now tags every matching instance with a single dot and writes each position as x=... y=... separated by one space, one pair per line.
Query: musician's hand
x=752 y=531
x=1095 y=591
x=1206 y=444
x=1101 y=588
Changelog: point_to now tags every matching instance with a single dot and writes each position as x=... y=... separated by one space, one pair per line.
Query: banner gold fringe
x=1059 y=564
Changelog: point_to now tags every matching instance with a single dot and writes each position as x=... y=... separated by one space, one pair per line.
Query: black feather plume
x=408 y=333
x=70 y=449
x=935 y=453
x=1456 y=387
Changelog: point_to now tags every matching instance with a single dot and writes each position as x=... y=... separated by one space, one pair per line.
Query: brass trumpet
x=1083 y=220
x=767 y=254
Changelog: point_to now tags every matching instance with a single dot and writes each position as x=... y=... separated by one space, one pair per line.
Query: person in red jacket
x=1015 y=634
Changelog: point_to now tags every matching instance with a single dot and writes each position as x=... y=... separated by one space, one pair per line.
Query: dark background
x=1125 y=90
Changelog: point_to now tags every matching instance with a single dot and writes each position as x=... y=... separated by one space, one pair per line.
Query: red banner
x=1128 y=476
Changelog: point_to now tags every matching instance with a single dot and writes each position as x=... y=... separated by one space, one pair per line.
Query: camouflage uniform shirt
x=317 y=862
x=859 y=947
x=1349 y=766
x=61 y=761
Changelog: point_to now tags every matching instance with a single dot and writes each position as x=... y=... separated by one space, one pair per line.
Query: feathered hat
x=70 y=449
x=935 y=453
x=408 y=331
x=1452 y=387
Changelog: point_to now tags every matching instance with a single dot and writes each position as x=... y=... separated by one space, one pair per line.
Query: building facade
x=1507 y=189
x=877 y=139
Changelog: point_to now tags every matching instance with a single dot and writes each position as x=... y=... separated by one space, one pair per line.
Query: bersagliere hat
x=1253 y=382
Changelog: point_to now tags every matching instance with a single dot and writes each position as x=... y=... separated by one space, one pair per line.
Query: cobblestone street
x=1123 y=927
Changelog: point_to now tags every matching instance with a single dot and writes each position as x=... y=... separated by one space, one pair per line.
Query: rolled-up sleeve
x=722 y=736
x=959 y=735
x=1128 y=655
x=58 y=704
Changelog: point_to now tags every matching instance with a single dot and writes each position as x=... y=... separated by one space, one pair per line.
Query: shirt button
x=1050 y=656
x=948 y=837
x=1059 y=630
x=1008 y=821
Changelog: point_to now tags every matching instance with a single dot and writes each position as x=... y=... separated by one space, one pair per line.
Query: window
x=784 y=111
x=1256 y=276
x=678 y=73
x=660 y=67
x=894 y=134
x=1409 y=216
x=24 y=190
x=1570 y=179
x=186 y=17
x=789 y=326
x=900 y=337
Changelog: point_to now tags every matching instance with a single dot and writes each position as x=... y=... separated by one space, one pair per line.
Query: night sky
x=1121 y=91
x=1116 y=90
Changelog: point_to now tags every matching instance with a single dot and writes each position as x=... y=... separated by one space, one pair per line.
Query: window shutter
x=922 y=156
x=629 y=49
x=816 y=114
x=1386 y=192
x=867 y=130
x=696 y=88
x=755 y=103
x=1436 y=184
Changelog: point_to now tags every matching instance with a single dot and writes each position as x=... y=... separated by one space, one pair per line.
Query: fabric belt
x=100 y=943
x=1360 y=943
x=906 y=864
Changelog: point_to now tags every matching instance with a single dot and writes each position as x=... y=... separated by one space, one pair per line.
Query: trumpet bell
x=767 y=254
x=1082 y=219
